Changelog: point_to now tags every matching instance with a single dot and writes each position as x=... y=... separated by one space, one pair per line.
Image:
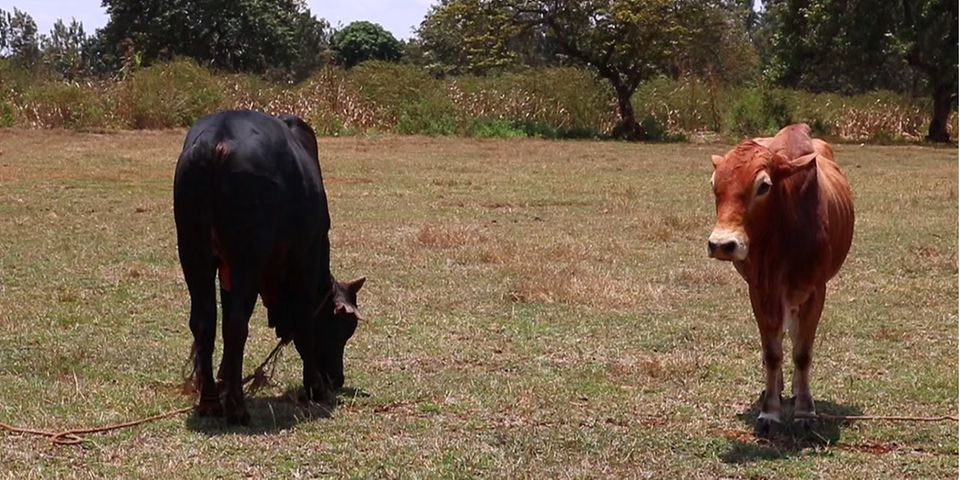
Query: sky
x=397 y=16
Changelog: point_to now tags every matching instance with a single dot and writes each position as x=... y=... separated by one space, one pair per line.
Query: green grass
x=534 y=309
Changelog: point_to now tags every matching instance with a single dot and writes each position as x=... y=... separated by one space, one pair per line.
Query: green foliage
x=63 y=105
x=480 y=37
x=824 y=45
x=362 y=41
x=64 y=49
x=428 y=116
x=393 y=86
x=7 y=118
x=760 y=111
x=495 y=128
x=264 y=36
x=687 y=104
x=624 y=41
x=19 y=38
x=388 y=97
x=172 y=94
x=656 y=130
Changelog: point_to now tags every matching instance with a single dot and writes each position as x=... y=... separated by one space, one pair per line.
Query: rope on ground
x=887 y=418
x=259 y=377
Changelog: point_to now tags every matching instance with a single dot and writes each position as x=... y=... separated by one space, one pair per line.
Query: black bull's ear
x=303 y=132
x=342 y=305
x=354 y=285
x=347 y=309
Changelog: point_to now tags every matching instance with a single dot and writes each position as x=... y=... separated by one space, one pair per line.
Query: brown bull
x=785 y=219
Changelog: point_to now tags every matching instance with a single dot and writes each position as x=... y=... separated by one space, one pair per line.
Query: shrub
x=656 y=131
x=427 y=116
x=168 y=95
x=393 y=89
x=566 y=98
x=494 y=128
x=760 y=111
x=686 y=105
x=557 y=102
x=63 y=105
x=332 y=100
x=7 y=118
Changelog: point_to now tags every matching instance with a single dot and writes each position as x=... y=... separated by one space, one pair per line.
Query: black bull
x=249 y=203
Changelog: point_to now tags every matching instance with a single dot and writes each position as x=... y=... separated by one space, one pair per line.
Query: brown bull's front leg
x=771 y=342
x=803 y=340
x=768 y=421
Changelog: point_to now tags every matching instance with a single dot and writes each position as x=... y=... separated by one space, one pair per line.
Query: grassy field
x=534 y=309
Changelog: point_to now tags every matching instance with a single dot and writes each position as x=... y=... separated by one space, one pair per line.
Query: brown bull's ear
x=717 y=160
x=346 y=308
x=785 y=168
x=354 y=285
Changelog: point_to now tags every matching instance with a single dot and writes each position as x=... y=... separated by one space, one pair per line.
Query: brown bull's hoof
x=804 y=422
x=767 y=428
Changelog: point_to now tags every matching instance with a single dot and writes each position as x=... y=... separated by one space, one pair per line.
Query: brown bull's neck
x=786 y=236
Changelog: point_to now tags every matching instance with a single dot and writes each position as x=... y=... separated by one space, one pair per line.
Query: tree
x=237 y=35
x=825 y=45
x=717 y=44
x=64 y=49
x=928 y=36
x=480 y=37
x=624 y=41
x=362 y=41
x=18 y=36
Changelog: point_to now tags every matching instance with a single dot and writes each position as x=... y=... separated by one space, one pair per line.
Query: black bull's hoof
x=236 y=412
x=320 y=395
x=209 y=407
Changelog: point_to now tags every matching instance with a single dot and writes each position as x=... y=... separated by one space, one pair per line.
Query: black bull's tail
x=194 y=214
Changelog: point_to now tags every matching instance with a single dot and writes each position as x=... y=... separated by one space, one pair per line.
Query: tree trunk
x=628 y=128
x=941 y=114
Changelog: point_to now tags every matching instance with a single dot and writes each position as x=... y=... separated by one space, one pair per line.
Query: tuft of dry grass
x=449 y=236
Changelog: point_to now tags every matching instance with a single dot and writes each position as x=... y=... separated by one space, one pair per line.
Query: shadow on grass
x=791 y=441
x=272 y=414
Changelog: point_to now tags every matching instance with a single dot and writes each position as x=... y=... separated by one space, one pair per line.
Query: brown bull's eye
x=763 y=188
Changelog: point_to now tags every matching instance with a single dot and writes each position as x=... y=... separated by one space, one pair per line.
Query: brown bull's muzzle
x=725 y=244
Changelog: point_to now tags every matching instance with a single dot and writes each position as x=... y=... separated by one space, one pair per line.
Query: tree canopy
x=479 y=37
x=264 y=36
x=624 y=41
x=852 y=46
x=362 y=41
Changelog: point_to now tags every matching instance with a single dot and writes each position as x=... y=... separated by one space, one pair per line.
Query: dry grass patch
x=570 y=284
x=449 y=235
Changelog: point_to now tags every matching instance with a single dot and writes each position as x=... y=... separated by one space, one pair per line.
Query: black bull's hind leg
x=237 y=307
x=198 y=271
